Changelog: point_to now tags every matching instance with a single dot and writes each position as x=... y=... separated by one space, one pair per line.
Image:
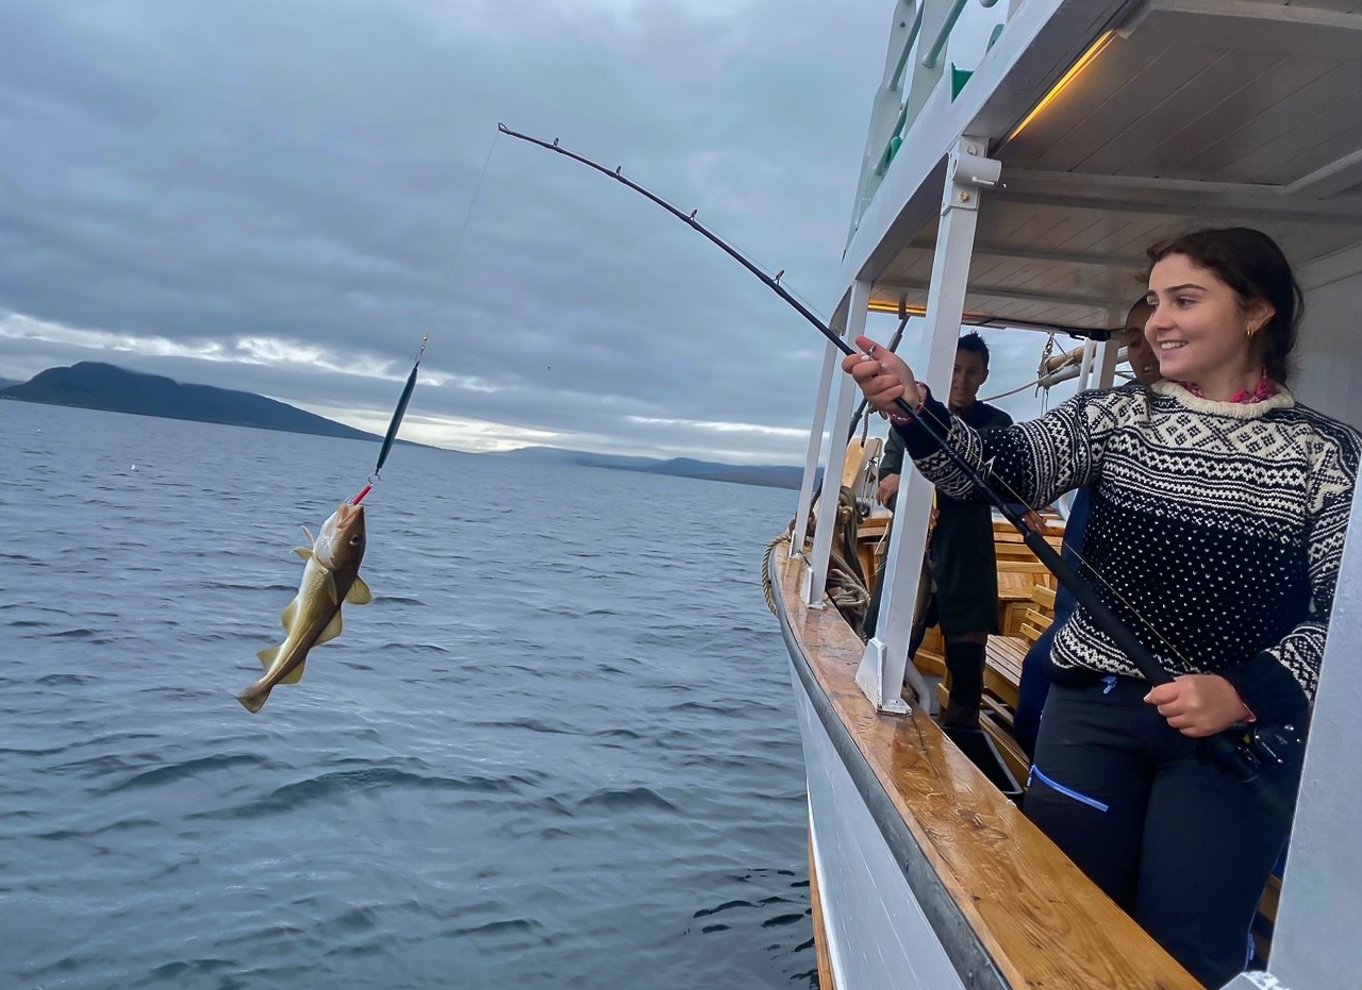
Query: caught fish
x=330 y=578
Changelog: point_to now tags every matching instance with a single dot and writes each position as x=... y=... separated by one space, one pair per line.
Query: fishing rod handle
x=1231 y=759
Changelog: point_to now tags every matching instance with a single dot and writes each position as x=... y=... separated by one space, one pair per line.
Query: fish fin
x=267 y=656
x=253 y=699
x=331 y=588
x=333 y=629
x=304 y=552
x=289 y=613
x=359 y=593
x=295 y=675
x=311 y=540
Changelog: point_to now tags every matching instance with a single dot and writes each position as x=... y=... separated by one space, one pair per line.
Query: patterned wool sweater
x=1218 y=524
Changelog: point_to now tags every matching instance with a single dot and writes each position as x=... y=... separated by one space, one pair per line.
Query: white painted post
x=816 y=577
x=832 y=359
x=1085 y=367
x=1314 y=942
x=884 y=665
x=1107 y=358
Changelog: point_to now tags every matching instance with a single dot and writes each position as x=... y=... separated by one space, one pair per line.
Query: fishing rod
x=1244 y=756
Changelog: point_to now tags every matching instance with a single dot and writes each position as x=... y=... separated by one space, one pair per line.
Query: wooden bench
x=1038 y=615
x=1002 y=674
x=1003 y=666
x=1017 y=581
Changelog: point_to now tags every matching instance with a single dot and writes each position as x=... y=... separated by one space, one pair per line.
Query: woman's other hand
x=882 y=376
x=1199 y=705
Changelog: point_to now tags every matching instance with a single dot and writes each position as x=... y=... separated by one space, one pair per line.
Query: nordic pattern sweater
x=1217 y=528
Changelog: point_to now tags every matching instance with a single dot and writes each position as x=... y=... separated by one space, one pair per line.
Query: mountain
x=768 y=475
x=582 y=457
x=7 y=382
x=93 y=385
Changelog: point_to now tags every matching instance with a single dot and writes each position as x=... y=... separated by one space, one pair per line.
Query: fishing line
x=1244 y=760
x=395 y=422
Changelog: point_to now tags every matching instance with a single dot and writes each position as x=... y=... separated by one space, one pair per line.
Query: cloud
x=270 y=194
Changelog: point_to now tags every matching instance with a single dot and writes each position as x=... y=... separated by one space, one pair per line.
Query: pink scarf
x=1266 y=389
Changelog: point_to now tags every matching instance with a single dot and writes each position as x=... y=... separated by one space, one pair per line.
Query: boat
x=1020 y=156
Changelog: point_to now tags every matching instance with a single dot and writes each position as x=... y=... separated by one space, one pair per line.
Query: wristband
x=898 y=419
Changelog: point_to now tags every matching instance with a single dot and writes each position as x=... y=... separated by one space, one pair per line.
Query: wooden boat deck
x=998 y=890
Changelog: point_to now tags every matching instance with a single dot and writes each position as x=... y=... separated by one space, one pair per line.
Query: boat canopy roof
x=1119 y=125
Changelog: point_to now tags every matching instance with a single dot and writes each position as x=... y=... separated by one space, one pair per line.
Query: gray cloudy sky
x=266 y=195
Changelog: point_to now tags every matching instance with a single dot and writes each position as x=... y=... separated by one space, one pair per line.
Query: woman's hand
x=1199 y=705
x=882 y=376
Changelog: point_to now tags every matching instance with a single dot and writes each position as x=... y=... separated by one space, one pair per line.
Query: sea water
x=558 y=750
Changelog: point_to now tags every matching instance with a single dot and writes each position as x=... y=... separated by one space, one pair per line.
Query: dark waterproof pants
x=1182 y=846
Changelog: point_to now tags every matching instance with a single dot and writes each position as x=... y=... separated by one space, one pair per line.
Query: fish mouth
x=347 y=516
x=345 y=527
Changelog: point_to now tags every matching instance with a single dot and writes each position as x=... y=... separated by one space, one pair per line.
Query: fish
x=330 y=579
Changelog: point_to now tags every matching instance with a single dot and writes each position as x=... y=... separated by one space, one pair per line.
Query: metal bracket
x=869 y=677
x=812 y=600
x=968 y=170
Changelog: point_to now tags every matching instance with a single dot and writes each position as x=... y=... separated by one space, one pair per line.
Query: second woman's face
x=1198 y=329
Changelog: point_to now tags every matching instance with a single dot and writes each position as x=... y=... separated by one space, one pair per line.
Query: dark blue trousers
x=1033 y=690
x=1182 y=846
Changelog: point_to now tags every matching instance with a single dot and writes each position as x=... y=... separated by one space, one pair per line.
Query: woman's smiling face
x=1200 y=330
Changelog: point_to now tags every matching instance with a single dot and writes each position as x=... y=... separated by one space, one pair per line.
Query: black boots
x=965 y=661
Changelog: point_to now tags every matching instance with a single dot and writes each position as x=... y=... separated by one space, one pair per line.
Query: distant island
x=765 y=475
x=95 y=385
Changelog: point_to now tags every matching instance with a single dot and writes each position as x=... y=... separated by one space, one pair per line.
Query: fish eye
x=356 y=541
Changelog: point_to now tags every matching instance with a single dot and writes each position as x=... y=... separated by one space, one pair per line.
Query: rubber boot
x=965 y=661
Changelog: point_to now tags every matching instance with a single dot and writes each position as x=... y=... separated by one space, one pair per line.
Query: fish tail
x=253 y=698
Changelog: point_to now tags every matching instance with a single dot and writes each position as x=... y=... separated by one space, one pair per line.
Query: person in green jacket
x=962 y=564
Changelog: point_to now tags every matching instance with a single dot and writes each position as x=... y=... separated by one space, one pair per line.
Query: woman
x=1219 y=507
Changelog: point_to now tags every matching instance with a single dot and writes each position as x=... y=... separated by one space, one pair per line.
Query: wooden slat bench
x=1003 y=665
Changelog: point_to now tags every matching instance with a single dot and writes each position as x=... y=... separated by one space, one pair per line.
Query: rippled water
x=558 y=751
